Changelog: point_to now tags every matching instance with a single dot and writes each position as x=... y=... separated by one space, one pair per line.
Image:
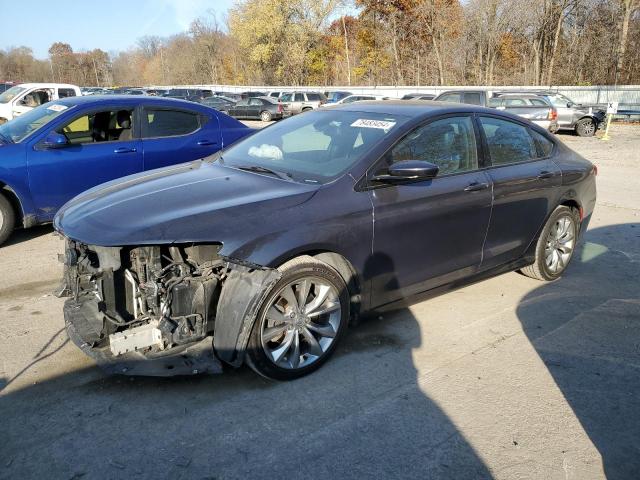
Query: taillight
x=553 y=114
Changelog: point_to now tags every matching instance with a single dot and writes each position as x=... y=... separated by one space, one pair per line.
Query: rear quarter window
x=544 y=146
x=508 y=142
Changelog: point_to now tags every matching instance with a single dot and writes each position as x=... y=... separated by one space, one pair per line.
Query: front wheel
x=586 y=127
x=555 y=246
x=300 y=322
x=7 y=218
x=265 y=116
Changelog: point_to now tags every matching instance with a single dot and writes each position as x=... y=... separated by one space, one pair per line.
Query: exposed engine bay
x=158 y=304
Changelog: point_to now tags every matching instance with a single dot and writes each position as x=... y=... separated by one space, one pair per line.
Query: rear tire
x=265 y=116
x=586 y=127
x=300 y=321
x=7 y=218
x=555 y=246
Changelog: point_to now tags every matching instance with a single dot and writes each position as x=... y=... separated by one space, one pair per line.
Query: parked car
x=541 y=113
x=135 y=91
x=529 y=106
x=158 y=92
x=584 y=120
x=219 y=103
x=5 y=86
x=92 y=90
x=276 y=94
x=191 y=94
x=299 y=102
x=251 y=94
x=354 y=98
x=257 y=108
x=418 y=96
x=57 y=150
x=26 y=96
x=268 y=251
x=334 y=96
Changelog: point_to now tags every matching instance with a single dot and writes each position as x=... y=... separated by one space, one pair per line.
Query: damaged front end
x=160 y=310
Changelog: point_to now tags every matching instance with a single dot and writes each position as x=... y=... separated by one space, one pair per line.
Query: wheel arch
x=15 y=202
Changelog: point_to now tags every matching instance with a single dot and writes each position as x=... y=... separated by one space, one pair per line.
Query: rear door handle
x=206 y=143
x=125 y=150
x=545 y=174
x=476 y=187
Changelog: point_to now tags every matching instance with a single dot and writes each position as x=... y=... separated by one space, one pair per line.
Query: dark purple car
x=265 y=252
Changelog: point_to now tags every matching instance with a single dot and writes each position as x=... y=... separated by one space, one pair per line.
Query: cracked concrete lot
x=508 y=378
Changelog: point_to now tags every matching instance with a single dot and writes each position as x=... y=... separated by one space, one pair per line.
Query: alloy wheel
x=560 y=244
x=301 y=323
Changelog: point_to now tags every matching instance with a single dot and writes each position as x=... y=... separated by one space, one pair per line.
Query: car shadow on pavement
x=362 y=415
x=24 y=234
x=586 y=329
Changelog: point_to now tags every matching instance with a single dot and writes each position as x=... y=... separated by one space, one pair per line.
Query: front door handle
x=206 y=143
x=476 y=187
x=125 y=150
x=546 y=174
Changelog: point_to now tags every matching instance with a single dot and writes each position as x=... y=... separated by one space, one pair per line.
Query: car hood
x=194 y=202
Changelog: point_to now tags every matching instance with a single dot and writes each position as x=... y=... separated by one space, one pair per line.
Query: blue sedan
x=62 y=148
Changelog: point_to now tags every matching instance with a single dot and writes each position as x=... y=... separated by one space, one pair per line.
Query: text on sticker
x=57 y=108
x=366 y=123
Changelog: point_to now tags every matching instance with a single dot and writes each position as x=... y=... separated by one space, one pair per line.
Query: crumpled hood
x=194 y=202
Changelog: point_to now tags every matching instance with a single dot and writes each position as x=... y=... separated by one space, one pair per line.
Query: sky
x=111 y=25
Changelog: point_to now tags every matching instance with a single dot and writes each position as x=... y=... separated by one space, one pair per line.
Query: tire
x=556 y=245
x=280 y=327
x=265 y=116
x=586 y=127
x=7 y=218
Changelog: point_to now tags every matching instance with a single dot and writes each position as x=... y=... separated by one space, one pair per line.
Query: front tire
x=300 y=322
x=556 y=245
x=586 y=127
x=7 y=218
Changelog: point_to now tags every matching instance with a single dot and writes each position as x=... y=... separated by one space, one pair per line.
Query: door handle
x=546 y=174
x=125 y=150
x=476 y=187
x=206 y=143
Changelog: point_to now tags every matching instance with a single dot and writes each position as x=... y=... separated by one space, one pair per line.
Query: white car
x=354 y=98
x=26 y=96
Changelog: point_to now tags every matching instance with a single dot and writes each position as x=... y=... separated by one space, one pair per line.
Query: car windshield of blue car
x=21 y=127
x=313 y=147
x=10 y=94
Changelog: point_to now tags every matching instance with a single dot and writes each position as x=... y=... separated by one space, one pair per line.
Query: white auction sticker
x=366 y=123
x=57 y=108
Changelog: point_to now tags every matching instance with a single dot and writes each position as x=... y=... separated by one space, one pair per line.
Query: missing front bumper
x=189 y=359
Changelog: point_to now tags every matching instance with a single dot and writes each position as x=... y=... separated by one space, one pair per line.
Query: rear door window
x=451 y=97
x=66 y=92
x=544 y=146
x=169 y=123
x=515 y=102
x=473 y=98
x=538 y=102
x=508 y=142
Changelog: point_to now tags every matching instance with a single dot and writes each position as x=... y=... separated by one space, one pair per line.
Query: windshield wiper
x=259 y=169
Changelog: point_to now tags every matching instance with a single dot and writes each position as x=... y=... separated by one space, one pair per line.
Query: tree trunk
x=628 y=6
x=436 y=50
x=346 y=51
x=554 y=46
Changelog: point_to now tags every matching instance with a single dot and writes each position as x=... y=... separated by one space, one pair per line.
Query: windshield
x=559 y=100
x=316 y=147
x=10 y=94
x=21 y=127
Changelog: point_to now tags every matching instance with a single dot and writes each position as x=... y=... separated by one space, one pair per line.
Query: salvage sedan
x=264 y=253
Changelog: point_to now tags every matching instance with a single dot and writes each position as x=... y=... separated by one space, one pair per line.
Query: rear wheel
x=586 y=127
x=7 y=218
x=300 y=322
x=265 y=116
x=555 y=246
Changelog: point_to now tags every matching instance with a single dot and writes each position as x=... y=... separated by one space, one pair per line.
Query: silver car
x=298 y=102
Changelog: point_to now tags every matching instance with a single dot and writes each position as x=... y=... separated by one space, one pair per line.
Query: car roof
x=46 y=85
x=138 y=99
x=420 y=108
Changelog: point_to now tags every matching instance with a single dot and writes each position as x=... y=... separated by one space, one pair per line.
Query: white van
x=26 y=96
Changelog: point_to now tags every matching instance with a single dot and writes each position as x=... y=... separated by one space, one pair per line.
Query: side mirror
x=408 y=170
x=55 y=140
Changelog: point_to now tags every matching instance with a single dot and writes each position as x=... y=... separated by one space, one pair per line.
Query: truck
x=530 y=106
x=26 y=96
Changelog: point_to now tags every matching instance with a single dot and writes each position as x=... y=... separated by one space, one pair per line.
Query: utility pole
x=346 y=50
